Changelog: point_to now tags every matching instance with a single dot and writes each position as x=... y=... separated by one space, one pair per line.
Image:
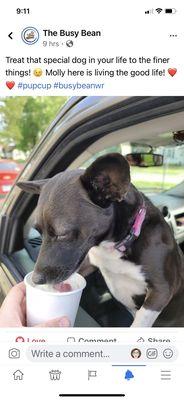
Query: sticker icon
x=30 y=35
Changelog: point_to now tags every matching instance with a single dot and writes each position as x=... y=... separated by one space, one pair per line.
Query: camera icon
x=14 y=353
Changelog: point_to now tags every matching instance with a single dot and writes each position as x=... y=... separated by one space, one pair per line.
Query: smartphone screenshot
x=92 y=200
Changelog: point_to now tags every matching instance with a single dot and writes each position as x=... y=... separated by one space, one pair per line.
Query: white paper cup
x=42 y=305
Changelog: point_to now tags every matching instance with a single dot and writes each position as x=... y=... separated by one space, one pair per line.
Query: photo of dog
x=92 y=219
x=101 y=215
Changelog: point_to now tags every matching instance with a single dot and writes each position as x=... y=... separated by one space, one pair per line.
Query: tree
x=24 y=119
x=10 y=113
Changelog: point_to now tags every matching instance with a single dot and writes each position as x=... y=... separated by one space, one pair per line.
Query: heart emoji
x=172 y=71
x=10 y=85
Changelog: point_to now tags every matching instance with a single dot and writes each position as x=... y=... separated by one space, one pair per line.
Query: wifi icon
x=159 y=10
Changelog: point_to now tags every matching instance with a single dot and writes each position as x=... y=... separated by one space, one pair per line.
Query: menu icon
x=165 y=375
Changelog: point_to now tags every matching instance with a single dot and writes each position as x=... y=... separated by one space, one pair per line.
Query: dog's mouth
x=55 y=276
x=59 y=284
x=66 y=273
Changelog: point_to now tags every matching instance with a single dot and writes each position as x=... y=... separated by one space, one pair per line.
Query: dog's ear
x=32 y=186
x=107 y=179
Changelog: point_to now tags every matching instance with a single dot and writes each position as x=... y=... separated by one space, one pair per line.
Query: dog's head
x=75 y=212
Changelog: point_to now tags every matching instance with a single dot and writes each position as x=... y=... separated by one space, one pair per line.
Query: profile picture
x=135 y=353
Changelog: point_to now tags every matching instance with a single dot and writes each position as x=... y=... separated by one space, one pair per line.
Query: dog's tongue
x=63 y=287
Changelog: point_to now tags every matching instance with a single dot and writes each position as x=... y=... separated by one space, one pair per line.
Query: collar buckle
x=135 y=231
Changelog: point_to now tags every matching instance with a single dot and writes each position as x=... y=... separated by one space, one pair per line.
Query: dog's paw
x=109 y=246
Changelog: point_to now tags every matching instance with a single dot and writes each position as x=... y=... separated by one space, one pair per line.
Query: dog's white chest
x=123 y=278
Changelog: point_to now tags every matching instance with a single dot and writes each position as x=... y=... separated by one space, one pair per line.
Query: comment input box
x=101 y=353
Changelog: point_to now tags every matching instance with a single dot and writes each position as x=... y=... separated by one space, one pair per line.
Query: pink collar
x=135 y=231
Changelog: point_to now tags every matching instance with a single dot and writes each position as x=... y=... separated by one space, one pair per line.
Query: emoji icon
x=30 y=35
x=168 y=353
x=10 y=85
x=172 y=71
x=37 y=72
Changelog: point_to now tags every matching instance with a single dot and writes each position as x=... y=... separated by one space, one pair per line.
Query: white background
x=126 y=31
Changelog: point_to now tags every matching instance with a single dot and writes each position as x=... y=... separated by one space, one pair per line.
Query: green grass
x=171 y=170
x=142 y=185
x=152 y=178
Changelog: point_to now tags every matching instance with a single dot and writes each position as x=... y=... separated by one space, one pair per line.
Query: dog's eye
x=51 y=232
x=72 y=234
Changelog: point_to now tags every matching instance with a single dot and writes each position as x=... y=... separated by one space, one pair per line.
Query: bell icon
x=128 y=375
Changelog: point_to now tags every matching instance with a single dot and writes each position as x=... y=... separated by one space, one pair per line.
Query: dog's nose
x=38 y=279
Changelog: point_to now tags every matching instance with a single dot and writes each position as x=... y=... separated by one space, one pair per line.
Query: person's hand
x=13 y=311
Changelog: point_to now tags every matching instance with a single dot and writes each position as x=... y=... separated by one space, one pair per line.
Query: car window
x=156 y=179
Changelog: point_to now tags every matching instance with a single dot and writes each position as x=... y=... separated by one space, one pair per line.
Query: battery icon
x=170 y=10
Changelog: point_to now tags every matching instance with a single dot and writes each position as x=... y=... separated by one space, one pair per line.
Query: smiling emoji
x=37 y=72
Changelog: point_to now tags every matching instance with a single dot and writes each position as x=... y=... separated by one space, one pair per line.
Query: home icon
x=18 y=375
